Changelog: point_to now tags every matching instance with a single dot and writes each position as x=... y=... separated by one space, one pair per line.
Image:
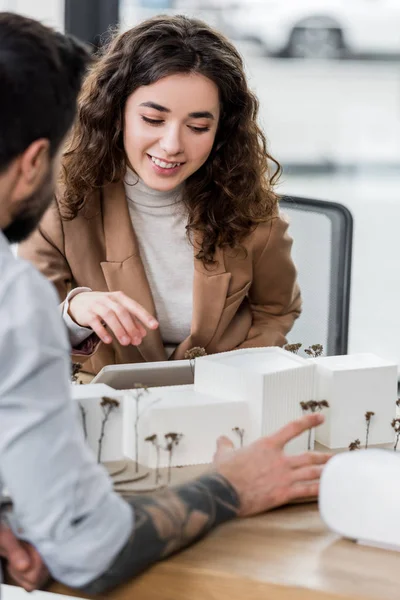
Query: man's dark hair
x=40 y=77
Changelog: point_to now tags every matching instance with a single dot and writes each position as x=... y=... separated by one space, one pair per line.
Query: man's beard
x=30 y=212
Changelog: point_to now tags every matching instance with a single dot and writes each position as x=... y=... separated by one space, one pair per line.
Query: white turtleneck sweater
x=159 y=221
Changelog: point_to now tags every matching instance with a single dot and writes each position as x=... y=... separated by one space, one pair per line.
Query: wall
x=50 y=12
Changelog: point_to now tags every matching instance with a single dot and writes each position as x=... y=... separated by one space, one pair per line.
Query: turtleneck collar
x=139 y=193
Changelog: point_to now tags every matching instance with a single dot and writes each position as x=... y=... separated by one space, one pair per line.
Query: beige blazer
x=245 y=301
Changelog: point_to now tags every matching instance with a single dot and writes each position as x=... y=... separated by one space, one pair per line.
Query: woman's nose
x=171 y=142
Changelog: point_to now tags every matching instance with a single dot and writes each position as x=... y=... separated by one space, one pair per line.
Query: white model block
x=353 y=385
x=88 y=397
x=199 y=417
x=151 y=374
x=272 y=381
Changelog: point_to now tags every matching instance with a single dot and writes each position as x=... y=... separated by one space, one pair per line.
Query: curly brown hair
x=233 y=190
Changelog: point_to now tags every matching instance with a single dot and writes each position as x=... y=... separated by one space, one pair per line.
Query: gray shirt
x=63 y=500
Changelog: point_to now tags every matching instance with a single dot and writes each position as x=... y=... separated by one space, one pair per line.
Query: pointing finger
x=139 y=312
x=295 y=428
x=224 y=446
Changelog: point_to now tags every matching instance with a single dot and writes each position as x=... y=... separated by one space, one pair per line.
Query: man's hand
x=24 y=563
x=125 y=318
x=263 y=476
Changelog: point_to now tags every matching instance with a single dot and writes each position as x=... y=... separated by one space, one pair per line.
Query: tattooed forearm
x=167 y=521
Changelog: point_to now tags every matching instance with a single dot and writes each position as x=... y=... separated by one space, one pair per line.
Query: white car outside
x=319 y=28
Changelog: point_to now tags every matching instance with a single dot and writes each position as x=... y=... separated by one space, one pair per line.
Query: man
x=76 y=528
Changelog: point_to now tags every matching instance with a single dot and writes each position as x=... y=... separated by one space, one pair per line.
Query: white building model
x=254 y=391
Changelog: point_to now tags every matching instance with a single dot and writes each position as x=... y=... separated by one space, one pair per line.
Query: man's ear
x=33 y=166
x=35 y=161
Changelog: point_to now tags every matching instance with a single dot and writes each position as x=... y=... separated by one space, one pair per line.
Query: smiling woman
x=167 y=206
x=170 y=128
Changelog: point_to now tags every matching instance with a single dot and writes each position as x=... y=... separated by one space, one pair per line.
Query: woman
x=167 y=201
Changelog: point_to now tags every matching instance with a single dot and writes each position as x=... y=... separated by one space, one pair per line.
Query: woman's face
x=170 y=127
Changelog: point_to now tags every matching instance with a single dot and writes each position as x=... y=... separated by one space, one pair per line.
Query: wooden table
x=287 y=554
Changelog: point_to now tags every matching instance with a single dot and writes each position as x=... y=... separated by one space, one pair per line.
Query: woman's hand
x=123 y=316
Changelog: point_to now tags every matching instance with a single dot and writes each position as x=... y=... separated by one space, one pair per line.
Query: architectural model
x=243 y=394
x=354 y=385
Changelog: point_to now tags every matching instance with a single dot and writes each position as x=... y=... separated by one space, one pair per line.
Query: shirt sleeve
x=77 y=333
x=63 y=500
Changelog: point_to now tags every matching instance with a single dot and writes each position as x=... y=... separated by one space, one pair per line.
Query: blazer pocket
x=237 y=296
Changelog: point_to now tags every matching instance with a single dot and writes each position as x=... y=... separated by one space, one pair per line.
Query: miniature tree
x=194 y=353
x=368 y=415
x=294 y=348
x=140 y=392
x=314 y=351
x=396 y=426
x=153 y=439
x=313 y=406
x=83 y=415
x=240 y=433
x=356 y=445
x=107 y=406
x=75 y=368
x=172 y=440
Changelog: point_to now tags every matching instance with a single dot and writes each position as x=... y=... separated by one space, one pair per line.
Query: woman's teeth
x=164 y=165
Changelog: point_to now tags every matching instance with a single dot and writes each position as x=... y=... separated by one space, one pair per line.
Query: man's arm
x=62 y=498
x=245 y=482
x=168 y=521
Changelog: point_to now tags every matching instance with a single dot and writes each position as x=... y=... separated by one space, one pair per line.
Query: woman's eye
x=152 y=121
x=199 y=129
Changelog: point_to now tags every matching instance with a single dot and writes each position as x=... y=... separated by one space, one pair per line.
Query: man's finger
x=12 y=549
x=304 y=490
x=35 y=576
x=296 y=428
x=224 y=446
x=308 y=458
x=20 y=580
x=307 y=474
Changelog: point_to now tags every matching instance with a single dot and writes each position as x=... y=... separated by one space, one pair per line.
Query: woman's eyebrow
x=155 y=106
x=203 y=114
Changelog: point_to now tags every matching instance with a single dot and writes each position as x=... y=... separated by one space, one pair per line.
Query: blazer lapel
x=123 y=269
x=210 y=289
